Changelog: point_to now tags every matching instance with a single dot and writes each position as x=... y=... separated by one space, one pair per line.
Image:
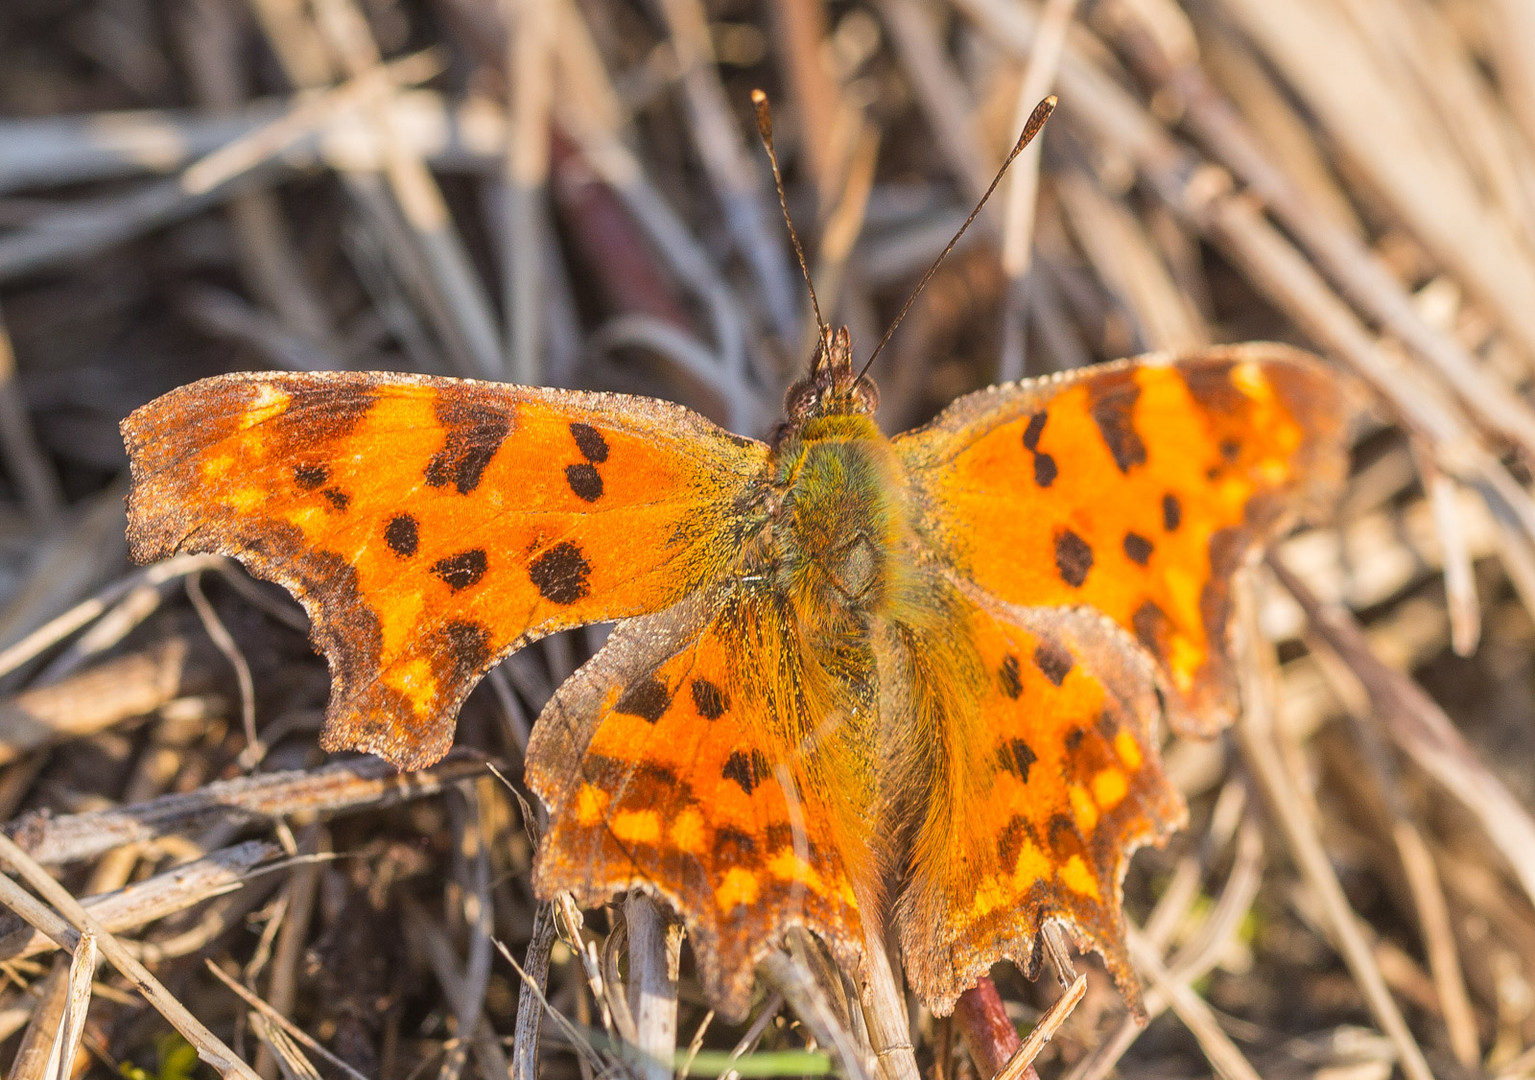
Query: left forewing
x=430 y=526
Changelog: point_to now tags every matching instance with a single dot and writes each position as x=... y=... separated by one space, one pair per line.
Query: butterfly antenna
x=1037 y=120
x=765 y=129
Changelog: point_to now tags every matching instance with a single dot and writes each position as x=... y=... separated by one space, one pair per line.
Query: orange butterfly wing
x=1049 y=780
x=1089 y=525
x=1135 y=488
x=701 y=757
x=431 y=526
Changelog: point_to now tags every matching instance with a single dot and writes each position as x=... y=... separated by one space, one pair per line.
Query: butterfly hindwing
x=1046 y=781
x=1135 y=488
x=684 y=759
x=431 y=526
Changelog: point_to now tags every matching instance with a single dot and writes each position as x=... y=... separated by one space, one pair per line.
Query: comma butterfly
x=847 y=667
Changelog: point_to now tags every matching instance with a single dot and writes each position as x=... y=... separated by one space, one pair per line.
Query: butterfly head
x=832 y=387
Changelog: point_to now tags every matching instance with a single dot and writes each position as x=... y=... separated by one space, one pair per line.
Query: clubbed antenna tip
x=1036 y=121
x=765 y=129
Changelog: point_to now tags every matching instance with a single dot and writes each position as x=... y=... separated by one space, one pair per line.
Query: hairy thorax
x=839 y=522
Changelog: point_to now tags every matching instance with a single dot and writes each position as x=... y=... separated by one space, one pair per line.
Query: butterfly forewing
x=1136 y=489
x=431 y=526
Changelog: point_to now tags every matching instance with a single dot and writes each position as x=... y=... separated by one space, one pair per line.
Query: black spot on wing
x=606 y=772
x=1012 y=685
x=653 y=783
x=1014 y=756
x=467 y=647
x=402 y=535
x=585 y=481
x=1211 y=387
x=732 y=847
x=648 y=699
x=338 y=499
x=590 y=442
x=329 y=411
x=1011 y=839
x=1074 y=738
x=1151 y=626
x=1108 y=725
x=1138 y=549
x=463 y=569
x=1064 y=834
x=475 y=433
x=310 y=477
x=1073 y=557
x=1172 y=512
x=747 y=770
x=708 y=699
x=1045 y=470
x=1053 y=660
x=560 y=574
x=1113 y=410
x=1034 y=430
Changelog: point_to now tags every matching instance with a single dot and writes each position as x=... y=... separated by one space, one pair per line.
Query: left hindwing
x=702 y=757
x=1137 y=489
x=431 y=526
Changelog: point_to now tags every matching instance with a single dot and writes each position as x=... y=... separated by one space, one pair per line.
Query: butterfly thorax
x=840 y=518
x=837 y=508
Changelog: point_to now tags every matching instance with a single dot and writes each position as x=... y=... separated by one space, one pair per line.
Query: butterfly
x=856 y=682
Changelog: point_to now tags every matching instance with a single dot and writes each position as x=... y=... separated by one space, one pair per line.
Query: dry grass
x=570 y=192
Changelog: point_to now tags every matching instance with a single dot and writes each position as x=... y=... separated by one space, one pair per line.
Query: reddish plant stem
x=989 y=1035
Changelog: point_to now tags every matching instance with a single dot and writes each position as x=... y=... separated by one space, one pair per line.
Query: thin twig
x=331 y=789
x=1255 y=735
x=208 y=1045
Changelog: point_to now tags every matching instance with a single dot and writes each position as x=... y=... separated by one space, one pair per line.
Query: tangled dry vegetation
x=570 y=192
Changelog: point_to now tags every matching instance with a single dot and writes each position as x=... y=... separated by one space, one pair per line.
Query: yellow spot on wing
x=1184 y=589
x=244 y=500
x=1083 y=808
x=400 y=622
x=414 y=679
x=787 y=866
x=636 y=826
x=687 y=832
x=306 y=517
x=1184 y=660
x=269 y=402
x=590 y=804
x=1076 y=877
x=1233 y=493
x=1032 y=866
x=1128 y=749
x=1249 y=378
x=989 y=896
x=1109 y=787
x=738 y=887
x=215 y=467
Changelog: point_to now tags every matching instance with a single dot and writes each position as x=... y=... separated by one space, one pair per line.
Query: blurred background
x=572 y=193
